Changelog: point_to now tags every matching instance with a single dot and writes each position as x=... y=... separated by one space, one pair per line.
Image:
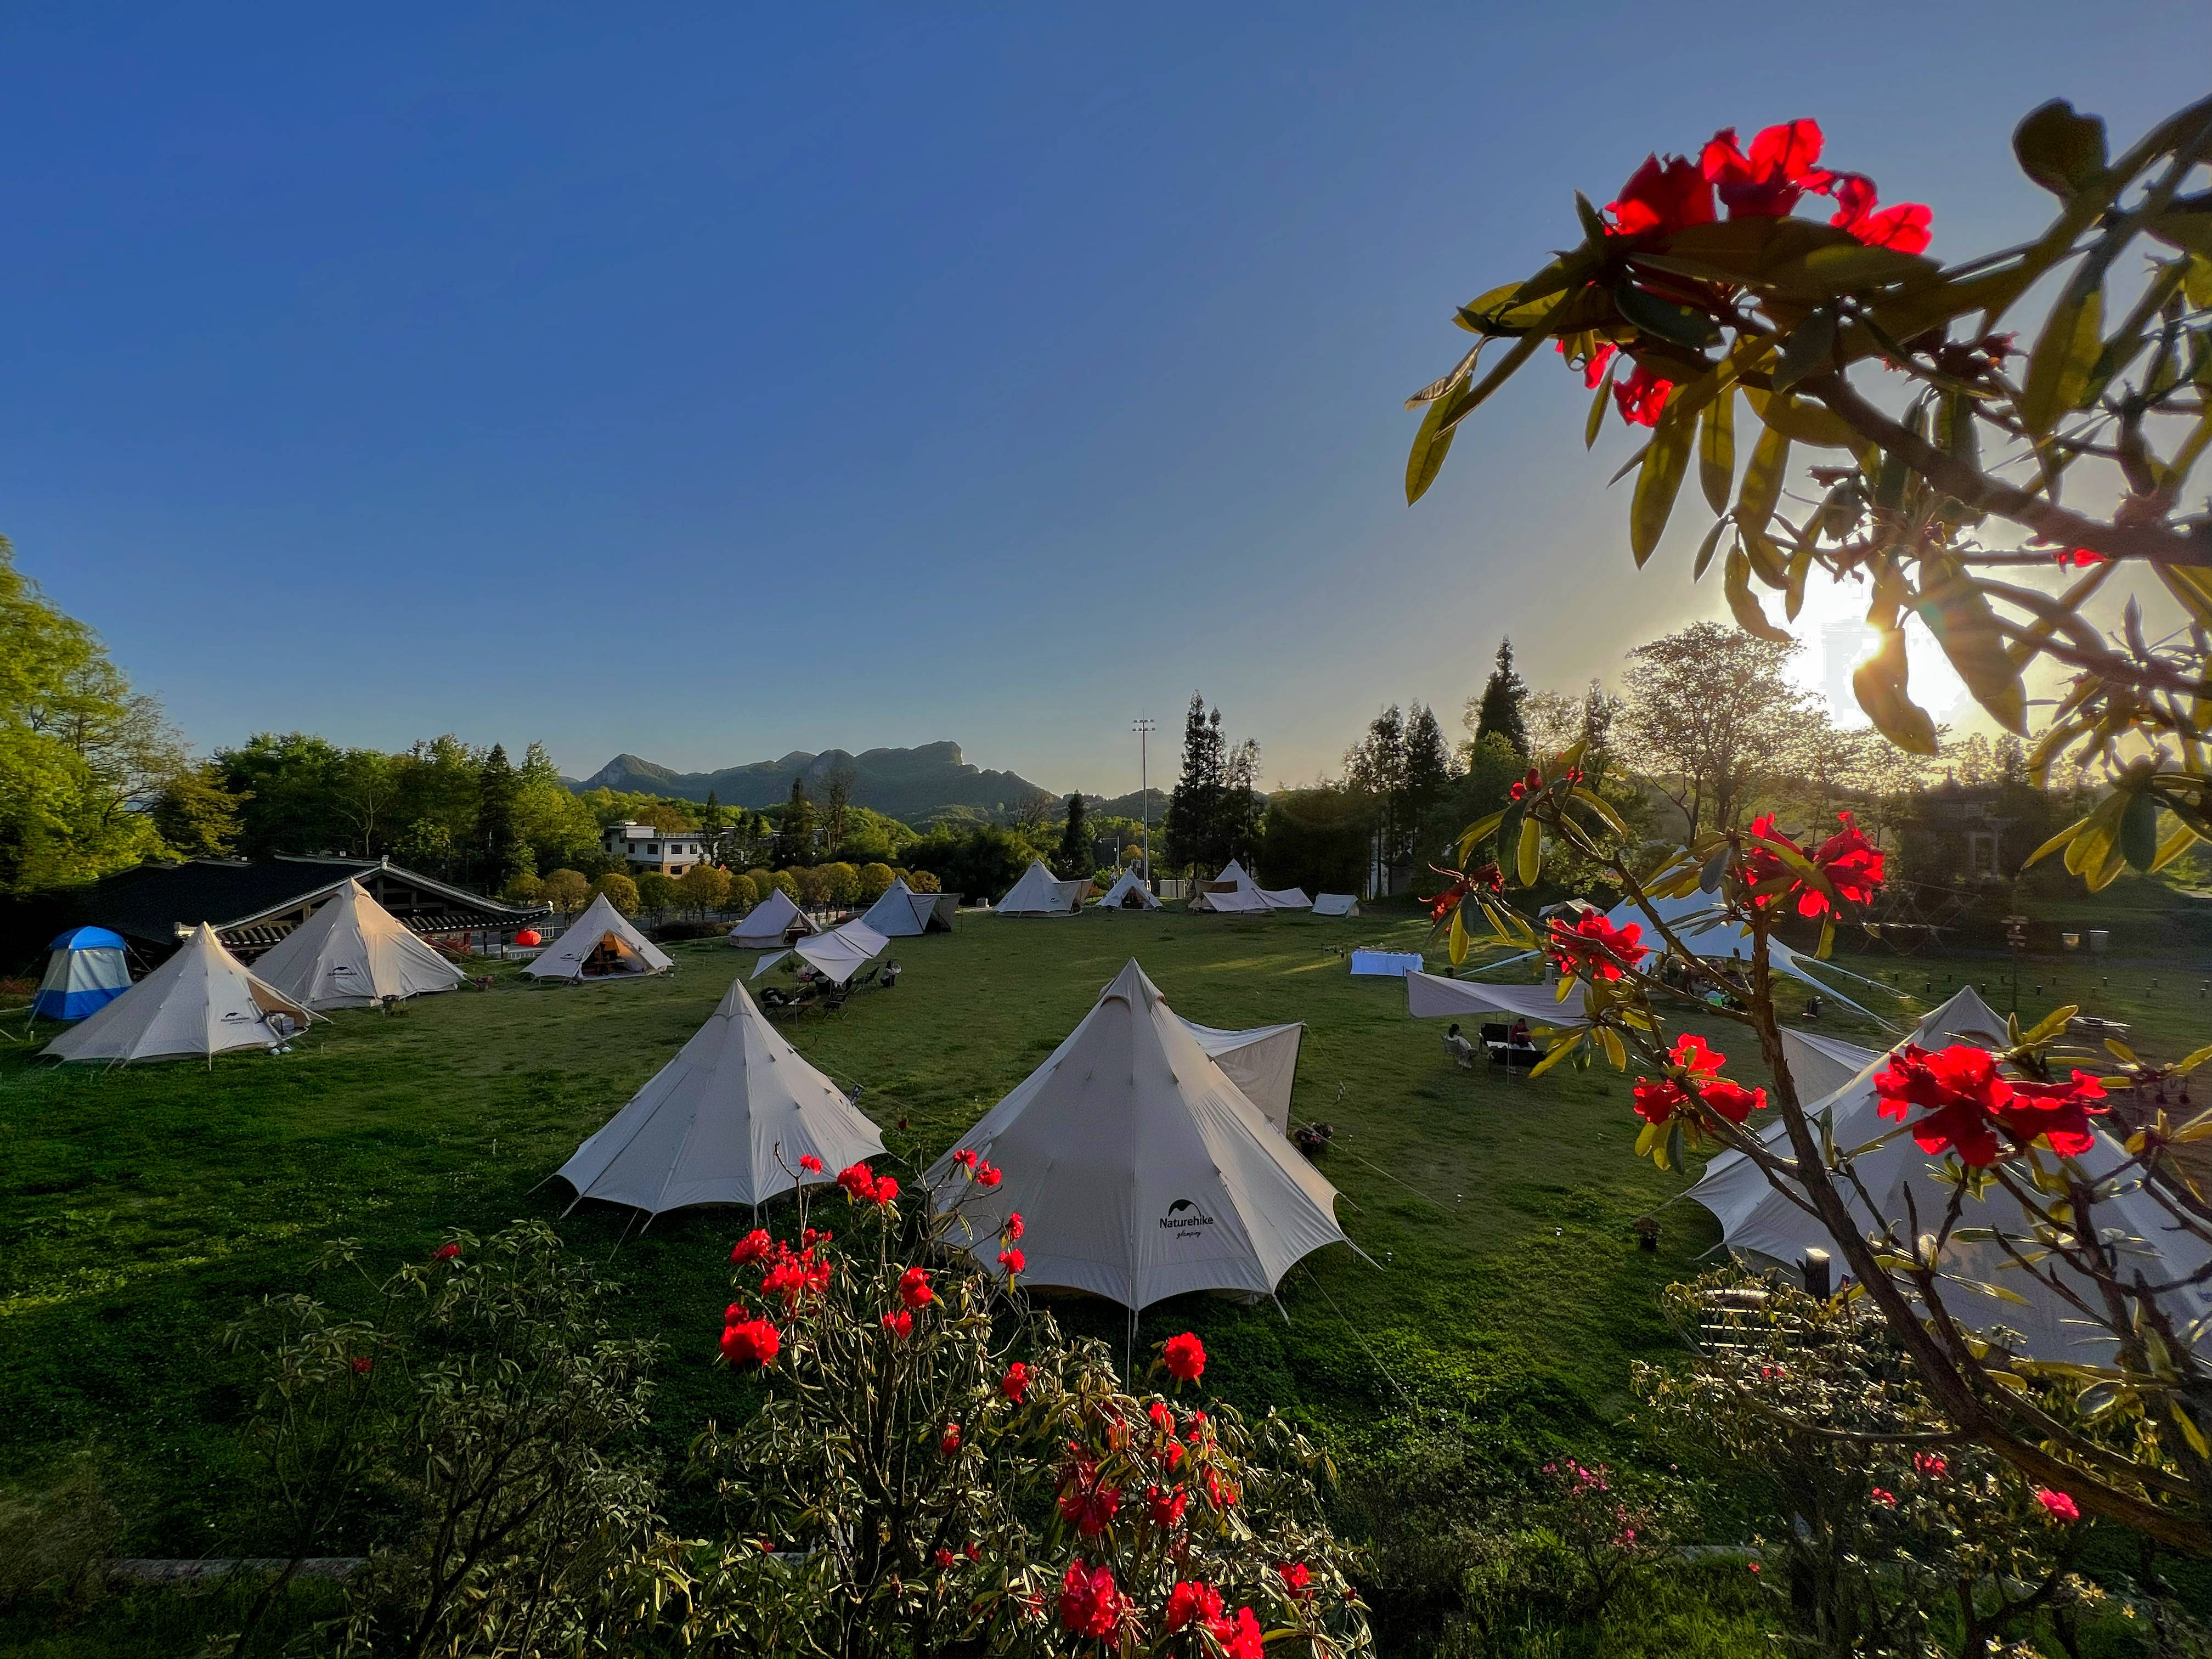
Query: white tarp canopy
x=1140 y=1169
x=1385 y=964
x=901 y=913
x=1821 y=1065
x=202 y=1001
x=724 y=1122
x=1263 y=1062
x=1129 y=893
x=352 y=952
x=1759 y=1220
x=1706 y=930
x=1335 y=904
x=599 y=944
x=1431 y=996
x=1040 y=893
x=836 y=955
x=769 y=925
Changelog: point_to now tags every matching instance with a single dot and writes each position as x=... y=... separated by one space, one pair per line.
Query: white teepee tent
x=1140 y=1169
x=1335 y=904
x=724 y=1122
x=599 y=944
x=1233 y=891
x=770 y=925
x=901 y=913
x=1040 y=893
x=202 y=1001
x=352 y=953
x=1763 y=1222
x=1129 y=893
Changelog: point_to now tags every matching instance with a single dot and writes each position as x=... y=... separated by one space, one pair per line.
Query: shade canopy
x=1335 y=904
x=1762 y=1222
x=1129 y=893
x=1385 y=964
x=200 y=1003
x=770 y=925
x=88 y=969
x=599 y=944
x=1140 y=1171
x=901 y=913
x=353 y=952
x=724 y=1122
x=1429 y=996
x=836 y=955
x=1263 y=1062
x=1707 y=932
x=1041 y=893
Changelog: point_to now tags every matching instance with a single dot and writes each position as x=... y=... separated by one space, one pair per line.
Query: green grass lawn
x=142 y=1208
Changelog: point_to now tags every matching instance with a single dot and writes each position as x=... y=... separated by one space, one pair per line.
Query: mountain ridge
x=903 y=783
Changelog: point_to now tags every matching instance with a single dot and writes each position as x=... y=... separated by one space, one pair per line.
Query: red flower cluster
x=1967 y=1102
x=2060 y=1506
x=811 y=1164
x=2080 y=557
x=900 y=1323
x=1767 y=184
x=444 y=1252
x=1929 y=1464
x=1090 y=1603
x=1527 y=786
x=1662 y=197
x=1185 y=1356
x=1015 y=1225
x=1904 y=226
x=751 y=1247
x=1851 y=864
x=795 y=1273
x=750 y=1341
x=1166 y=1507
x=1087 y=1503
x=1463 y=882
x=1594 y=947
x=914 y=1288
x=949 y=1442
x=943 y=1557
x=983 y=1174
x=1657 y=1102
x=1642 y=397
x=1295 y=1578
x=1016 y=1383
x=859 y=1181
x=1195 y=1604
x=361 y=1367
x=1013 y=1260
x=1883 y=1497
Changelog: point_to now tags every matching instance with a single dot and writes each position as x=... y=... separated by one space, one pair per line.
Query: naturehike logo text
x=1183 y=1213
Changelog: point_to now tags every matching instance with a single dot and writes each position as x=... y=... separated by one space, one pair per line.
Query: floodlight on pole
x=1144 y=728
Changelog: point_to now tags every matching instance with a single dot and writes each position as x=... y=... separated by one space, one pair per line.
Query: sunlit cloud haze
x=712 y=383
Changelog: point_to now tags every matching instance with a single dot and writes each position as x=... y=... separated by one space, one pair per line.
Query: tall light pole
x=1144 y=729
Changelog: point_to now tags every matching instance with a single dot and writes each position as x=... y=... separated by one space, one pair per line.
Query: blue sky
x=711 y=383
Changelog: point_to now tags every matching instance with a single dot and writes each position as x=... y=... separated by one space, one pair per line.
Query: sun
x=1832 y=625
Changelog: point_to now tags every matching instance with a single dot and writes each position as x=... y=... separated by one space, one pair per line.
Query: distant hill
x=912 y=784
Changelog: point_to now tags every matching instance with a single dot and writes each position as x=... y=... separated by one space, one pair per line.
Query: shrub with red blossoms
x=1594 y=947
x=750 y=1342
x=1847 y=861
x=1185 y=1358
x=1090 y=1604
x=914 y=1288
x=1971 y=1108
x=810 y=1164
x=751 y=1247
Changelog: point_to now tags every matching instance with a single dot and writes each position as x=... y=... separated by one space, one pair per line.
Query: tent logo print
x=1176 y=1221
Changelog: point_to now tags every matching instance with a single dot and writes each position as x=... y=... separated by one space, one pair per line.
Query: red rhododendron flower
x=1595 y=946
x=1295 y=1578
x=1851 y=864
x=1961 y=1091
x=1662 y=197
x=1222 y=1494
x=1767 y=184
x=1886 y=1499
x=951 y=1442
x=1594 y=365
x=2062 y=1507
x=361 y=1366
x=970 y=1551
x=751 y=1247
x=1189 y=1604
x=2080 y=557
x=1526 y=785
x=1657 y=1102
x=886 y=1189
x=1016 y=1383
x=1642 y=397
x=1166 y=1507
x=857 y=1180
x=965 y=1159
x=2057 y=1112
x=1929 y=1465
x=988 y=1175
x=444 y=1252
x=1186 y=1357
x=900 y=1323
x=1089 y=1605
x=1013 y=1260
x=795 y=1275
x=1162 y=1419
x=943 y=1557
x=1732 y=1100
x=1241 y=1640
x=751 y=1342
x=1904 y=226
x=1087 y=1503
x=1015 y=1226
x=914 y=1288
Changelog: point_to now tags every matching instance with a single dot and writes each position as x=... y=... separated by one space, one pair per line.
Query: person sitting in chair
x=1518 y=1036
x=1461 y=1050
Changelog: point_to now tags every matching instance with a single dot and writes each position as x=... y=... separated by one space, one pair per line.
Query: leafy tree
x=876 y=880
x=567 y=892
x=786 y=883
x=619 y=891
x=812 y=885
x=1498 y=708
x=1712 y=719
x=924 y=881
x=794 y=831
x=427 y=846
x=524 y=888
x=837 y=800
x=499 y=842
x=1374 y=768
x=1320 y=839
x=983 y=862
x=440 y=781
x=1428 y=772
x=550 y=819
x=1075 y=859
x=764 y=881
x=288 y=786
x=364 y=793
x=841 y=883
x=658 y=893
x=1242 y=803
x=706 y=886
x=743 y=890
x=196 y=816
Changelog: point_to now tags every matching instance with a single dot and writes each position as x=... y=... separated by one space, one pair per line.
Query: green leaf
x=1458 y=408
x=1705 y=547
x=1610 y=819
x=1879 y=683
x=1593 y=222
x=1528 y=860
x=1809 y=423
x=1595 y=421
x=1431 y=444
x=1560 y=1048
x=2139 y=831
x=1665 y=320
x=1958 y=615
x=2064 y=353
x=1744 y=604
x=2063 y=152
x=1716 y=451
x=1762 y=481
x=1661 y=479
x=1805 y=349
x=1834 y=270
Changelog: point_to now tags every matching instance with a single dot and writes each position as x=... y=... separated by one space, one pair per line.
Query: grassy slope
x=139 y=1209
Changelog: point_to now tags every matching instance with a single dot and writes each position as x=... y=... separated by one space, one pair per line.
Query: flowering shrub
x=920 y=1485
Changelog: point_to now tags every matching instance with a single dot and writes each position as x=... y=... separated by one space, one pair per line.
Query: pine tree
x=498 y=844
x=1502 y=697
x=1428 y=775
x=1192 y=833
x=794 y=833
x=1075 y=850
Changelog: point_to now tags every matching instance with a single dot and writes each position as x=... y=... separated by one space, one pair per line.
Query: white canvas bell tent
x=88 y=969
x=353 y=953
x=771 y=923
x=1335 y=904
x=200 y=1003
x=599 y=944
x=724 y=1122
x=1248 y=902
x=901 y=913
x=1821 y=1065
x=1263 y=1062
x=1235 y=886
x=1040 y=893
x=836 y=955
x=1129 y=893
x=1760 y=1222
x=1140 y=1169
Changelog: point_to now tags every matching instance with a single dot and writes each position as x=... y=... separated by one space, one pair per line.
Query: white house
x=672 y=852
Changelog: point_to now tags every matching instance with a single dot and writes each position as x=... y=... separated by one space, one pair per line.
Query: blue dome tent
x=86 y=972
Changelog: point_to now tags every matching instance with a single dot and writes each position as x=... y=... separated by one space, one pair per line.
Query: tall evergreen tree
x=1428 y=772
x=1376 y=769
x=1192 y=833
x=498 y=844
x=1238 y=827
x=794 y=831
x=1075 y=850
x=1502 y=697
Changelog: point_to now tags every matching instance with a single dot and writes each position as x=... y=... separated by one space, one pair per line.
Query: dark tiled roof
x=153 y=900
